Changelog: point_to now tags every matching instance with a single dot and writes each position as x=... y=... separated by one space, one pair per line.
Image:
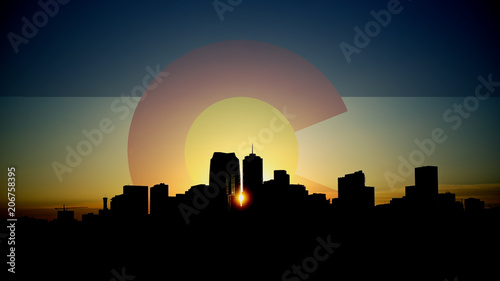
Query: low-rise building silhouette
x=65 y=216
x=159 y=200
x=279 y=193
x=473 y=206
x=132 y=203
x=353 y=193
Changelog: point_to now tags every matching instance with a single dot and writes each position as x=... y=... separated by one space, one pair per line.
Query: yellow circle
x=233 y=125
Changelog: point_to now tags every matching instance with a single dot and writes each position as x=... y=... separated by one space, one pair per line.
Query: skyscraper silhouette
x=105 y=204
x=252 y=172
x=426 y=182
x=225 y=175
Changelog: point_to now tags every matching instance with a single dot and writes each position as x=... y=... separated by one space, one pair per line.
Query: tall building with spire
x=252 y=172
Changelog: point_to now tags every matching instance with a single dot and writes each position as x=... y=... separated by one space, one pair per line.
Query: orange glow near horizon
x=226 y=97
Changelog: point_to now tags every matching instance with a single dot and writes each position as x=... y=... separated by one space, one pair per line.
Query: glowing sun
x=233 y=125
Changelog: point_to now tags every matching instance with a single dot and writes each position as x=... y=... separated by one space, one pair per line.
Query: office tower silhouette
x=225 y=175
x=132 y=203
x=105 y=203
x=424 y=195
x=353 y=193
x=426 y=182
x=159 y=200
x=252 y=173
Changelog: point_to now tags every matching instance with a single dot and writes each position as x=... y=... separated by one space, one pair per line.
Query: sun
x=223 y=97
x=234 y=125
x=241 y=198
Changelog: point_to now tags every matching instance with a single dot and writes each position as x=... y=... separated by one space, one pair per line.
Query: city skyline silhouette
x=250 y=140
x=293 y=234
x=224 y=176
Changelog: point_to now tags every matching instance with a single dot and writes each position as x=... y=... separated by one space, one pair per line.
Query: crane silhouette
x=64 y=208
x=64 y=215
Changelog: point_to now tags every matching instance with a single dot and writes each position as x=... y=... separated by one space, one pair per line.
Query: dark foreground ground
x=376 y=244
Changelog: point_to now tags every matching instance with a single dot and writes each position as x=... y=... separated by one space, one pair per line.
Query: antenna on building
x=252 y=148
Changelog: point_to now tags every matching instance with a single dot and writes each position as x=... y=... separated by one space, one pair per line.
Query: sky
x=78 y=71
